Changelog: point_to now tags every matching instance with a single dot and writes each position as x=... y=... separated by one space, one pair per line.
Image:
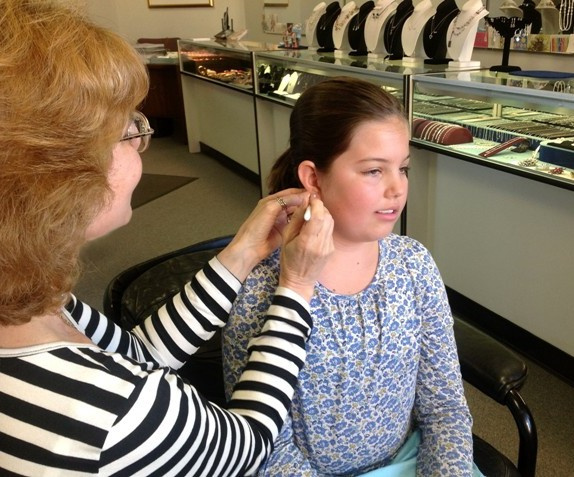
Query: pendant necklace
x=457 y=30
x=433 y=29
x=327 y=21
x=376 y=14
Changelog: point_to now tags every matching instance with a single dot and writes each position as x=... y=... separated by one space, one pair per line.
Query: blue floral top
x=378 y=363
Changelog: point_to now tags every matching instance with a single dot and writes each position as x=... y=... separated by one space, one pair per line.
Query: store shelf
x=229 y=64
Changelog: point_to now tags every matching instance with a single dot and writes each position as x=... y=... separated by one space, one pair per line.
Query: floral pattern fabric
x=379 y=363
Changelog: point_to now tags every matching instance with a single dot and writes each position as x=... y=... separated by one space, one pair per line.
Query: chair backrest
x=130 y=286
x=140 y=290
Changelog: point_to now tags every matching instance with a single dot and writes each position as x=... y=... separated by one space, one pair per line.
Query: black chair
x=141 y=289
x=485 y=363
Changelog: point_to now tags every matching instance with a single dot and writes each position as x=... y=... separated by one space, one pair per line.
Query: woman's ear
x=307 y=173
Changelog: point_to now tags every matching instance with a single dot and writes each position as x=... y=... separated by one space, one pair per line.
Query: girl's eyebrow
x=383 y=159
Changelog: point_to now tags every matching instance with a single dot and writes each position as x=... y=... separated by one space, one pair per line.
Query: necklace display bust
x=435 y=32
x=356 y=32
x=550 y=17
x=394 y=28
x=412 y=34
x=511 y=9
x=462 y=30
x=375 y=25
x=340 y=36
x=324 y=29
x=532 y=16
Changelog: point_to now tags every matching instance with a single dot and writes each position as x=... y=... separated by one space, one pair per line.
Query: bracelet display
x=445 y=134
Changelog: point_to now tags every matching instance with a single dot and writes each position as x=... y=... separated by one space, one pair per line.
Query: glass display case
x=519 y=124
x=284 y=75
x=228 y=63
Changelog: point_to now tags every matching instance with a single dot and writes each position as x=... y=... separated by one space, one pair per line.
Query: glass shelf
x=228 y=63
x=495 y=108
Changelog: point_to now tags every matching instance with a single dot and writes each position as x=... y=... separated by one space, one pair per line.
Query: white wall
x=133 y=19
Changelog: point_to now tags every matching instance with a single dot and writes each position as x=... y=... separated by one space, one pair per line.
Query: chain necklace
x=395 y=24
x=359 y=23
x=327 y=21
x=377 y=14
x=413 y=23
x=433 y=29
x=457 y=30
x=344 y=18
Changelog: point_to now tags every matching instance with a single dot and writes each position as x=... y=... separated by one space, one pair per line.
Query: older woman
x=69 y=162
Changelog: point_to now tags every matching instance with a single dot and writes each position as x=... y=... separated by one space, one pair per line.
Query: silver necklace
x=433 y=28
x=457 y=30
x=376 y=14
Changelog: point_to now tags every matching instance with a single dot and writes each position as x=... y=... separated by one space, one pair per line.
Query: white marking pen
x=307 y=215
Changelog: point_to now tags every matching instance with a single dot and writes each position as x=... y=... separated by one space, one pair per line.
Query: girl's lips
x=389 y=214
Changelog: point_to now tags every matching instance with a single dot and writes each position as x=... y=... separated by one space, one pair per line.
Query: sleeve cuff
x=225 y=274
x=287 y=292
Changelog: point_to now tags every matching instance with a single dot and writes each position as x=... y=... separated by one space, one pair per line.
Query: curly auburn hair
x=323 y=122
x=67 y=90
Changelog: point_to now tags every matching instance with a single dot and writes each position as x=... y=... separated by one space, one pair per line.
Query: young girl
x=381 y=390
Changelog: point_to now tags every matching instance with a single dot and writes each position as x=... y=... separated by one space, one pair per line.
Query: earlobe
x=308 y=176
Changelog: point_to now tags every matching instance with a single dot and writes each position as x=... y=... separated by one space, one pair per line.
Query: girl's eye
x=405 y=170
x=373 y=172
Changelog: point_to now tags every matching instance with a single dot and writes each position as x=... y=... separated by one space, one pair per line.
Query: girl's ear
x=308 y=176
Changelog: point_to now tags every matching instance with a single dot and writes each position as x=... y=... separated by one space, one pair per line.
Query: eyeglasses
x=139 y=132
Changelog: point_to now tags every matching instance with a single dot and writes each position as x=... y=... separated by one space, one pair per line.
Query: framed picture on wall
x=275 y=3
x=179 y=3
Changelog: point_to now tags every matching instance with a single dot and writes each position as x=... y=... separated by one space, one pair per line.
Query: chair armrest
x=487 y=364
x=499 y=373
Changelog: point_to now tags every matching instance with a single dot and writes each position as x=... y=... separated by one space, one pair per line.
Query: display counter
x=217 y=86
x=518 y=124
x=495 y=204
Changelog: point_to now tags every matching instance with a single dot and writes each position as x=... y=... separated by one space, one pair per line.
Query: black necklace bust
x=435 y=32
x=532 y=16
x=356 y=31
x=394 y=28
x=324 y=29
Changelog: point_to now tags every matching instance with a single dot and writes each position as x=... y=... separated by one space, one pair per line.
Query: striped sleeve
x=170 y=430
x=174 y=332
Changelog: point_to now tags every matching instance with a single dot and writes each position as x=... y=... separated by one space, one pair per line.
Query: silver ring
x=282 y=203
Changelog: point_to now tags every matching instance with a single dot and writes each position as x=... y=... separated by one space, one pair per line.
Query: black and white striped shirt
x=118 y=408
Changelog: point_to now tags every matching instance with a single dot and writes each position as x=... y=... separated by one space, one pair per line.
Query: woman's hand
x=307 y=244
x=261 y=232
